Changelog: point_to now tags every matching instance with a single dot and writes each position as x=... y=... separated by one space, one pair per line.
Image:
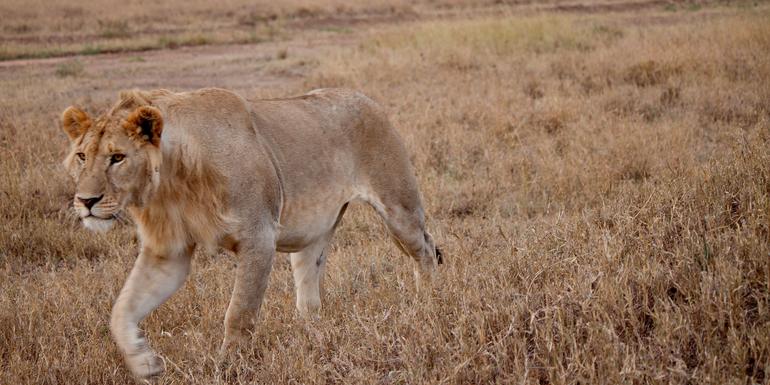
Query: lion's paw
x=145 y=364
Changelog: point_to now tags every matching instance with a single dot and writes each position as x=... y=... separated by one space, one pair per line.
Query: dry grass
x=600 y=184
x=44 y=28
x=53 y=28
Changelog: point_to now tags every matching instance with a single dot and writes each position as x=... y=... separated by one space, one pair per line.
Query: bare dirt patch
x=43 y=30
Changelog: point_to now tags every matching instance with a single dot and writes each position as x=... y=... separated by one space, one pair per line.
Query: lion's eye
x=81 y=156
x=115 y=158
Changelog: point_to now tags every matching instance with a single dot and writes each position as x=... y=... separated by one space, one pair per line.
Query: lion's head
x=114 y=159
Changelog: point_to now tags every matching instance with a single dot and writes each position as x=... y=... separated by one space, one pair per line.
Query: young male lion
x=256 y=177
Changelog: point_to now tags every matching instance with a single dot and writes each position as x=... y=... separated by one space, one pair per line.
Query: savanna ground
x=596 y=173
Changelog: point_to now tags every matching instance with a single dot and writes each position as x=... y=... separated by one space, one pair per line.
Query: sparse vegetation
x=40 y=29
x=72 y=67
x=600 y=184
x=112 y=29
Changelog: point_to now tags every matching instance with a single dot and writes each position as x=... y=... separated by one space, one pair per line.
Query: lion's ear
x=75 y=122
x=145 y=125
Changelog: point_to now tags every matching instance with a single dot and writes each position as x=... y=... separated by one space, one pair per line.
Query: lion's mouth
x=98 y=224
x=109 y=217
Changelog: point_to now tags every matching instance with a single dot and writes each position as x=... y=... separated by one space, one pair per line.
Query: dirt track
x=281 y=63
x=308 y=33
x=237 y=67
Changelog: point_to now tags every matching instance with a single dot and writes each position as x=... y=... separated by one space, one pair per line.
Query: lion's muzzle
x=97 y=212
x=89 y=202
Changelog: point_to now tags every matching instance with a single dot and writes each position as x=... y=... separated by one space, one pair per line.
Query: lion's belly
x=306 y=219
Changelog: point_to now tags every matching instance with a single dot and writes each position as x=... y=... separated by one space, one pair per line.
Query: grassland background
x=599 y=181
x=46 y=28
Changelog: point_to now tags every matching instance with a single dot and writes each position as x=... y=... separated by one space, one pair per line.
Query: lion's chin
x=98 y=225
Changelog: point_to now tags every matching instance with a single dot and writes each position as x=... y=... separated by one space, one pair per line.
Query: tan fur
x=210 y=168
x=144 y=115
x=75 y=122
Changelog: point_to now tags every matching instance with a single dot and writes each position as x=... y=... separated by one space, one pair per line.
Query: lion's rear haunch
x=256 y=177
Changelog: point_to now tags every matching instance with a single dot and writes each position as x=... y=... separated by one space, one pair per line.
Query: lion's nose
x=90 y=202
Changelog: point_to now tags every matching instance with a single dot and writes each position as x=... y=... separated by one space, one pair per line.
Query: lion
x=210 y=169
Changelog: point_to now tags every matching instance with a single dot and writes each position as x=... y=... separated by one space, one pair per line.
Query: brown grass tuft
x=649 y=73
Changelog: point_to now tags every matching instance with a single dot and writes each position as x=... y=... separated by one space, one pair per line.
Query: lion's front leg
x=152 y=281
x=256 y=253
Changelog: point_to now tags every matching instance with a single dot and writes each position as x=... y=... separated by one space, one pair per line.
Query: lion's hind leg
x=405 y=220
x=408 y=233
x=308 y=267
x=390 y=187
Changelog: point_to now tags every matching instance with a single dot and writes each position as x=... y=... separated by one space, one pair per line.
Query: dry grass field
x=598 y=177
x=49 y=28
